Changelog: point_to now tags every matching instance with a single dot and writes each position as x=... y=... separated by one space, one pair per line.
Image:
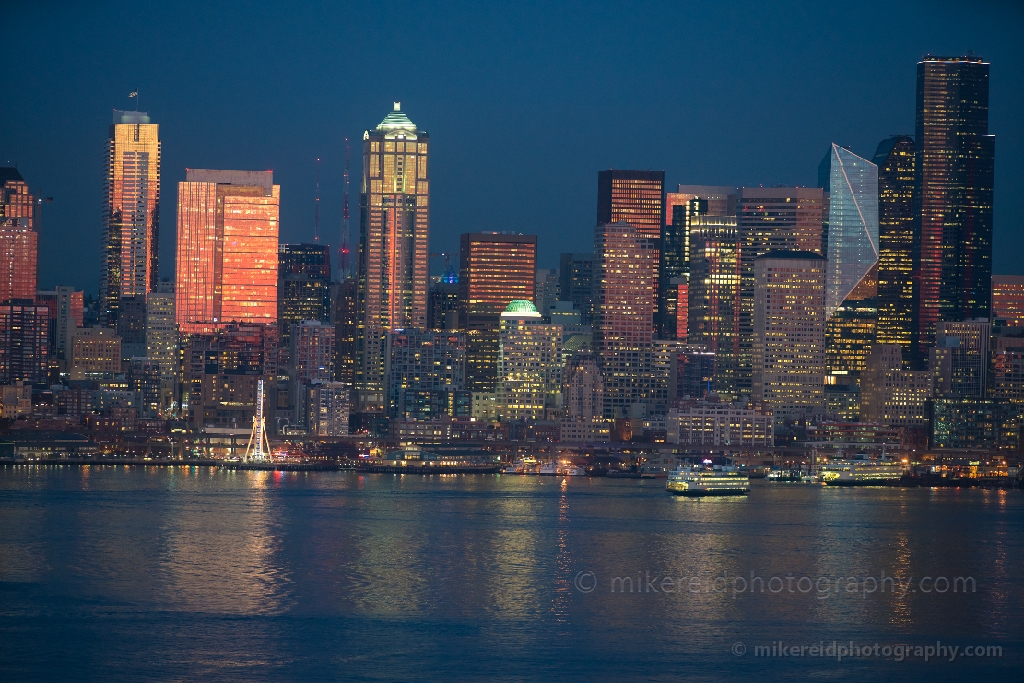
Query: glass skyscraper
x=637 y=197
x=852 y=225
x=895 y=160
x=953 y=194
x=131 y=212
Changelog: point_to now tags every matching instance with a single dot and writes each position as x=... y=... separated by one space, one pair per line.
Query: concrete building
x=24 y=341
x=789 y=332
x=891 y=393
x=95 y=352
x=426 y=374
x=720 y=425
x=529 y=364
x=959 y=361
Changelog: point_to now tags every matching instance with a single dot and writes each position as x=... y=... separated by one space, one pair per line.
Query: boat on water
x=862 y=472
x=791 y=476
x=701 y=480
x=572 y=471
x=550 y=468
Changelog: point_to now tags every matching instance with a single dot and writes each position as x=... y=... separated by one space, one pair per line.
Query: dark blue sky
x=524 y=103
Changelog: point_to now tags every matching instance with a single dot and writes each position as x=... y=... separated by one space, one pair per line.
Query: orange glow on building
x=228 y=225
x=131 y=216
x=18 y=238
x=637 y=197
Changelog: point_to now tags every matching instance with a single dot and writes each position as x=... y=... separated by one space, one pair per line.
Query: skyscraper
x=953 y=193
x=1008 y=299
x=24 y=341
x=789 y=332
x=394 y=227
x=777 y=218
x=131 y=212
x=852 y=225
x=637 y=197
x=65 y=306
x=162 y=342
x=425 y=370
x=495 y=269
x=625 y=289
x=529 y=364
x=714 y=296
x=303 y=286
x=895 y=160
x=576 y=276
x=19 y=241
x=226 y=269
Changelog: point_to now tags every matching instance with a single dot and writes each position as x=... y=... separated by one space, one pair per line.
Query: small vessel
x=518 y=467
x=550 y=468
x=862 y=472
x=572 y=471
x=701 y=480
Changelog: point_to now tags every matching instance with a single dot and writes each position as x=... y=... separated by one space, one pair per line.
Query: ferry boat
x=549 y=468
x=518 y=467
x=572 y=471
x=698 y=480
x=862 y=472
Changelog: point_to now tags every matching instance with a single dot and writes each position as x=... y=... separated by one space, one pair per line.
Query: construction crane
x=343 y=250
x=316 y=211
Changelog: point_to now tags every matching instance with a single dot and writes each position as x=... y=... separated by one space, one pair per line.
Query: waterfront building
x=789 y=332
x=144 y=378
x=583 y=401
x=777 y=218
x=959 y=360
x=131 y=212
x=895 y=159
x=708 y=423
x=976 y=424
x=226 y=268
x=636 y=197
x=426 y=374
x=529 y=364
x=19 y=239
x=891 y=393
x=221 y=372
x=24 y=341
x=714 y=297
x=625 y=289
x=394 y=230
x=95 y=353
x=495 y=269
x=954 y=172
x=65 y=307
x=303 y=285
x=15 y=400
x=1008 y=299
x=325 y=407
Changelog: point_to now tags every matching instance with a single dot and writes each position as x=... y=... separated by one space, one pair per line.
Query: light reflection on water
x=181 y=569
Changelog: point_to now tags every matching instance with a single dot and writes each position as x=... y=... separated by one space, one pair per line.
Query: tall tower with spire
x=394 y=228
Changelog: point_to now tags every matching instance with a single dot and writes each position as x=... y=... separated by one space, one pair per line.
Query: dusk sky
x=524 y=103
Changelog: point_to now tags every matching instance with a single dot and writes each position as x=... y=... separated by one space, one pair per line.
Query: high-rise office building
x=95 y=353
x=959 y=360
x=303 y=285
x=625 y=290
x=443 y=310
x=576 y=282
x=637 y=197
x=24 y=341
x=495 y=269
x=789 y=332
x=895 y=161
x=326 y=408
x=776 y=218
x=1008 y=299
x=19 y=241
x=226 y=268
x=583 y=400
x=426 y=371
x=131 y=212
x=954 y=173
x=131 y=326
x=162 y=341
x=852 y=184
x=394 y=227
x=65 y=306
x=312 y=352
x=714 y=296
x=345 y=318
x=892 y=393
x=680 y=208
x=529 y=364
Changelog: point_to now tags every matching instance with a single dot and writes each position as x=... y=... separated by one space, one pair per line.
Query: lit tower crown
x=394 y=229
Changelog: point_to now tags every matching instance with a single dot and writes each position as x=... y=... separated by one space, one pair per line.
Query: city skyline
x=734 y=148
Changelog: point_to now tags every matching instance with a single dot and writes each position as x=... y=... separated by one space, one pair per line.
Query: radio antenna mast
x=343 y=250
x=316 y=212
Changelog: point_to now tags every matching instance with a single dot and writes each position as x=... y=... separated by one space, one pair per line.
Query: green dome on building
x=521 y=306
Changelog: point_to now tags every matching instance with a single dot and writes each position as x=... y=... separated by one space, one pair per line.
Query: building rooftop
x=789 y=254
x=9 y=173
x=397 y=120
